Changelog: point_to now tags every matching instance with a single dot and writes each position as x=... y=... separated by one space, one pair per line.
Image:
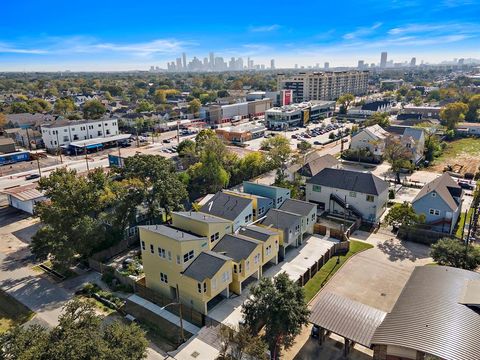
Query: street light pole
x=177 y=302
x=38 y=164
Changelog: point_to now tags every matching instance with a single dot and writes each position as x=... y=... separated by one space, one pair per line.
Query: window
x=247 y=265
x=234 y=269
x=408 y=146
x=164 y=278
x=65 y=138
x=199 y=286
x=370 y=198
x=214 y=283
x=317 y=188
x=99 y=125
x=435 y=212
x=204 y=287
x=225 y=276
x=151 y=249
x=178 y=259
x=214 y=237
x=353 y=194
x=434 y=194
x=313 y=217
x=143 y=245
x=169 y=255
x=162 y=253
x=260 y=211
x=239 y=268
x=188 y=256
x=280 y=200
x=256 y=259
x=99 y=133
x=269 y=250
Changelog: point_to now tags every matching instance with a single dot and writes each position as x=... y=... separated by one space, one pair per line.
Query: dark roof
x=346 y=317
x=445 y=187
x=256 y=232
x=409 y=116
x=429 y=317
x=226 y=206
x=313 y=167
x=172 y=232
x=299 y=207
x=235 y=247
x=6 y=141
x=375 y=105
x=361 y=182
x=205 y=265
x=280 y=219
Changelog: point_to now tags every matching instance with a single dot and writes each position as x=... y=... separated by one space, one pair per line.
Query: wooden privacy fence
x=337 y=249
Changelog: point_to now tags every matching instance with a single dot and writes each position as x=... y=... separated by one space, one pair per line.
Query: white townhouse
x=62 y=133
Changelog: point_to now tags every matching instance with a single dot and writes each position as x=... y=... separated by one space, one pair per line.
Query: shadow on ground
x=403 y=250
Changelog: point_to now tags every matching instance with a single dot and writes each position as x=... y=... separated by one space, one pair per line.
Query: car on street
x=32 y=176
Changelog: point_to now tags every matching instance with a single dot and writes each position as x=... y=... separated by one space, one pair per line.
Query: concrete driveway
x=374 y=277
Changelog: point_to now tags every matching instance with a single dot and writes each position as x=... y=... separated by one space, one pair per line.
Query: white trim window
x=162 y=253
x=225 y=276
x=435 y=212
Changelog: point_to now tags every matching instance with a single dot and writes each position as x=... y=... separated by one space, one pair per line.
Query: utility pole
x=38 y=164
x=86 y=157
x=182 y=335
x=58 y=149
x=178 y=132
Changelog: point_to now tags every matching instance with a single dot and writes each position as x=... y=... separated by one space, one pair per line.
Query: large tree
x=238 y=344
x=279 y=305
x=398 y=156
x=344 y=101
x=64 y=106
x=93 y=109
x=162 y=188
x=452 y=114
x=403 y=215
x=473 y=113
x=194 y=106
x=452 y=252
x=279 y=153
x=379 y=118
x=71 y=223
x=80 y=334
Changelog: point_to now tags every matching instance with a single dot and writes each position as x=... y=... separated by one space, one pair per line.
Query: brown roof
x=314 y=166
x=346 y=317
x=25 y=192
x=445 y=187
x=6 y=141
x=429 y=317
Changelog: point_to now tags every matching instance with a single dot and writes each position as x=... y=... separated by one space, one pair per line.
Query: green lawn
x=461 y=222
x=454 y=148
x=12 y=312
x=314 y=285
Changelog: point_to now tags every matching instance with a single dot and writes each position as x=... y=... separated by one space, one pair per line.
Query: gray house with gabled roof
x=351 y=193
x=441 y=202
x=307 y=210
x=227 y=206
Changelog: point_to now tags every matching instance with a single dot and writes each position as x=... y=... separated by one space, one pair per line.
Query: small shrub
x=391 y=194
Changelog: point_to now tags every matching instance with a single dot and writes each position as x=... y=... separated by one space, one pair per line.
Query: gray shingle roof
x=256 y=232
x=313 y=167
x=414 y=133
x=429 y=317
x=299 y=207
x=205 y=266
x=445 y=187
x=172 y=232
x=225 y=206
x=235 y=247
x=280 y=219
x=365 y=183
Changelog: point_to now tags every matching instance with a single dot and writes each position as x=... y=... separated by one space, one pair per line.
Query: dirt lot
x=463 y=155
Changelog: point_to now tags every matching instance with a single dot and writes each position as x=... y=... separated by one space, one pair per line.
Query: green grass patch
x=12 y=312
x=455 y=148
x=461 y=222
x=314 y=285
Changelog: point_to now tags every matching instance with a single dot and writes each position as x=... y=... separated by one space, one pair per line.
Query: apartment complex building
x=327 y=85
x=210 y=253
x=62 y=133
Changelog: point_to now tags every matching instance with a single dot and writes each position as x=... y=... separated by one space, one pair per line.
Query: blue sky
x=124 y=35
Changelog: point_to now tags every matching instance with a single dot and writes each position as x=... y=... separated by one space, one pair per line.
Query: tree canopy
x=398 y=156
x=452 y=252
x=240 y=343
x=344 y=101
x=93 y=109
x=279 y=305
x=403 y=215
x=80 y=335
x=452 y=114
x=279 y=153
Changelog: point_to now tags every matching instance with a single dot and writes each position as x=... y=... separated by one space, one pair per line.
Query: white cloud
x=362 y=31
x=264 y=28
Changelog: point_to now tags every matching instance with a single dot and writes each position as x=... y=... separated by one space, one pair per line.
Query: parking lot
x=308 y=133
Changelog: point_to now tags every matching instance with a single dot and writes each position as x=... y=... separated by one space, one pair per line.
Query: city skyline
x=48 y=41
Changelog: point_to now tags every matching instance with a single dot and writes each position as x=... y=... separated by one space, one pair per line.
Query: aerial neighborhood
x=231 y=210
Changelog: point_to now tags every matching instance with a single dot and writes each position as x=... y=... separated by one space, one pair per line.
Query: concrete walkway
x=174 y=319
